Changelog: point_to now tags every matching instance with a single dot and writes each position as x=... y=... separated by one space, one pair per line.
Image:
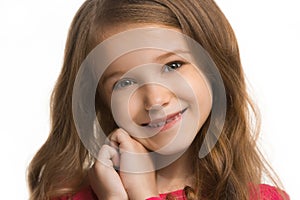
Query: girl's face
x=159 y=97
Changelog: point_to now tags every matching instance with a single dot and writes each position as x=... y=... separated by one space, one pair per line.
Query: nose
x=155 y=96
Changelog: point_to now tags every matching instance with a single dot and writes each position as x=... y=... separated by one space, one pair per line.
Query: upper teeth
x=160 y=124
x=157 y=125
x=173 y=118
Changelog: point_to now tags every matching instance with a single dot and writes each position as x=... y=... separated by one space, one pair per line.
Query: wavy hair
x=233 y=165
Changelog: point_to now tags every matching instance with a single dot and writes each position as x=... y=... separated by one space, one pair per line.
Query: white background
x=32 y=38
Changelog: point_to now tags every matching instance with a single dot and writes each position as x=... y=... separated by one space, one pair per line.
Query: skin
x=149 y=100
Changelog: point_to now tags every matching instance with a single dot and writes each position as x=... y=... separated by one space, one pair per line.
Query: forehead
x=151 y=48
x=141 y=36
x=114 y=29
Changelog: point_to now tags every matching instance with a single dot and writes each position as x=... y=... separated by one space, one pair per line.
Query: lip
x=165 y=123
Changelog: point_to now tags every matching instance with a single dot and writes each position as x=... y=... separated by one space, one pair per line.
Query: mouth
x=167 y=122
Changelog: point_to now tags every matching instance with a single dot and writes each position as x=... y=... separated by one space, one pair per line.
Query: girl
x=166 y=111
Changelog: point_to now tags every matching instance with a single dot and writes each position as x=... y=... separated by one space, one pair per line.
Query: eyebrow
x=157 y=59
x=116 y=73
x=171 y=53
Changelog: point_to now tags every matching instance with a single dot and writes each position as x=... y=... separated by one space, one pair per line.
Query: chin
x=173 y=149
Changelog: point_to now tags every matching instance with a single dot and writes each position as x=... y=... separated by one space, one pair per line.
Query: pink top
x=267 y=192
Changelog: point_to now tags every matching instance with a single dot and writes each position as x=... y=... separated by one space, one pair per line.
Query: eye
x=123 y=83
x=171 y=66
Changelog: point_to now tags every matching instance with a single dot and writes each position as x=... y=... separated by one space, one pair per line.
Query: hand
x=136 y=167
x=104 y=179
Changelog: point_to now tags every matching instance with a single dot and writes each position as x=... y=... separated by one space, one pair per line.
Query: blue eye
x=171 y=66
x=123 y=83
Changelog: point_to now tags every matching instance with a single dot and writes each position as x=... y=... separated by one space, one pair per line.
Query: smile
x=167 y=122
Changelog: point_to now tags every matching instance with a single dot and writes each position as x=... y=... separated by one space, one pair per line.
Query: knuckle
x=105 y=147
x=117 y=133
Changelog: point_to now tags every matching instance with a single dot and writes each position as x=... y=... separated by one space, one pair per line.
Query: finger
x=108 y=156
x=121 y=137
x=114 y=144
x=111 y=143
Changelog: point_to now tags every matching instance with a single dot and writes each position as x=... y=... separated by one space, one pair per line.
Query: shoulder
x=267 y=192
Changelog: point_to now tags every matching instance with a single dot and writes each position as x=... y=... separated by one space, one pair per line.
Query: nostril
x=157 y=104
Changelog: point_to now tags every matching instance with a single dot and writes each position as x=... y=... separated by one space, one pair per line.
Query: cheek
x=119 y=107
x=134 y=106
x=126 y=108
x=204 y=99
x=201 y=100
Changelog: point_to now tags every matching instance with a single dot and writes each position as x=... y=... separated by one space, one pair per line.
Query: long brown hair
x=233 y=165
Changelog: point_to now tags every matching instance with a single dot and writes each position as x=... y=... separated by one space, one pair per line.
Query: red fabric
x=179 y=194
x=267 y=192
x=84 y=194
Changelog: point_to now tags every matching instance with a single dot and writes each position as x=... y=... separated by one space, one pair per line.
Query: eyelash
x=166 y=68
x=118 y=84
x=170 y=63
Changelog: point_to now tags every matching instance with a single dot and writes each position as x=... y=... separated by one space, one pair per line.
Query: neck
x=175 y=176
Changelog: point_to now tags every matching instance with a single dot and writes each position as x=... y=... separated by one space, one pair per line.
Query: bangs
x=126 y=11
